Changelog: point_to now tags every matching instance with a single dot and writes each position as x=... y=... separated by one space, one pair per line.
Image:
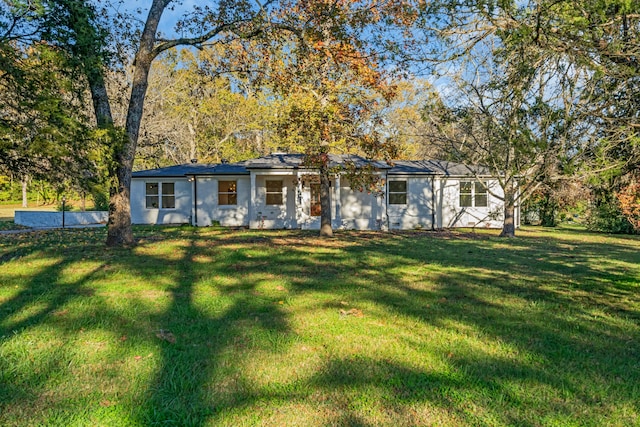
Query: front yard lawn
x=206 y=326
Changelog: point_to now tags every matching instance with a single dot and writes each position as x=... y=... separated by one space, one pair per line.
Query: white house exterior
x=279 y=191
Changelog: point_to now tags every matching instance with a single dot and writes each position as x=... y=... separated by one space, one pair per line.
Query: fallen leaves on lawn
x=166 y=336
x=138 y=357
x=353 y=312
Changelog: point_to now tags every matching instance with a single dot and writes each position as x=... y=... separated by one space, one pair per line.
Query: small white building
x=279 y=191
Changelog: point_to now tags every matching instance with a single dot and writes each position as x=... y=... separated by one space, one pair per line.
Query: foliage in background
x=54 y=52
x=566 y=200
x=593 y=49
x=605 y=215
x=604 y=39
x=45 y=127
x=195 y=112
x=629 y=200
x=42 y=193
x=404 y=124
x=43 y=131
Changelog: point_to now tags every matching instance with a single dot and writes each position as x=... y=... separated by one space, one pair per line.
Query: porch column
x=337 y=217
x=384 y=219
x=438 y=188
x=194 y=192
x=252 y=199
x=298 y=200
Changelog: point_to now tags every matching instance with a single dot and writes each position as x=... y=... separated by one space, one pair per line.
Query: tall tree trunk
x=119 y=232
x=99 y=97
x=119 y=224
x=119 y=227
x=193 y=147
x=25 y=201
x=509 y=225
x=325 y=203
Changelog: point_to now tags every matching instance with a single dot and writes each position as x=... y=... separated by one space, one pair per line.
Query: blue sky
x=140 y=9
x=177 y=9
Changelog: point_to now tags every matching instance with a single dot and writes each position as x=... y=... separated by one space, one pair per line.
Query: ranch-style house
x=279 y=191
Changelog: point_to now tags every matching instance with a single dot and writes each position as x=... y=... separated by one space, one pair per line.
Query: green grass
x=217 y=327
x=6 y=225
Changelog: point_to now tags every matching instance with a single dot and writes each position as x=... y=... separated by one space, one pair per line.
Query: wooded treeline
x=544 y=93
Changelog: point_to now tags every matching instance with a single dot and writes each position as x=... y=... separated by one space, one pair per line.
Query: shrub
x=629 y=201
x=100 y=201
x=606 y=216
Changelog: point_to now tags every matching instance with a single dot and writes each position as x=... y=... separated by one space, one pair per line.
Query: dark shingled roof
x=434 y=167
x=296 y=161
x=194 y=169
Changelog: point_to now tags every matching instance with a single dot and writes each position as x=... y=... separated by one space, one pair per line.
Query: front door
x=315 y=207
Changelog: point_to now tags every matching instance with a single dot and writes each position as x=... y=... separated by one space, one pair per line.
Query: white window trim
x=267 y=192
x=160 y=195
x=228 y=205
x=405 y=192
x=483 y=184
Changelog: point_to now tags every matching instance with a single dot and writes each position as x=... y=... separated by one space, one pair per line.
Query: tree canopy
x=563 y=73
x=44 y=128
x=535 y=90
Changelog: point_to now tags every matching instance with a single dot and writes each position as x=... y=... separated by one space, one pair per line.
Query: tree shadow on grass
x=569 y=348
x=559 y=347
x=185 y=389
x=40 y=306
x=573 y=326
x=523 y=266
x=203 y=344
x=404 y=395
x=189 y=339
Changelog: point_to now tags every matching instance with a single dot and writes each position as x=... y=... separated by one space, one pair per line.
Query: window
x=274 y=192
x=480 y=194
x=160 y=195
x=227 y=193
x=152 y=195
x=473 y=194
x=316 y=208
x=168 y=195
x=397 y=192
